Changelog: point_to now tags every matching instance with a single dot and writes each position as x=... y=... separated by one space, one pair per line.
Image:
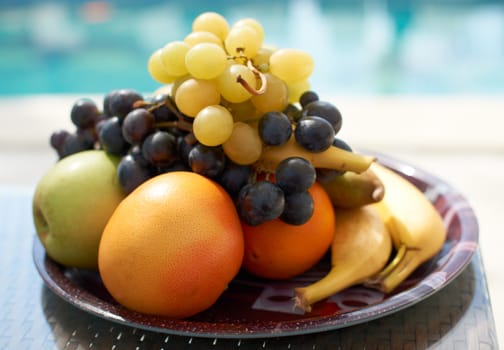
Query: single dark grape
x=294 y=175
x=314 y=133
x=275 y=128
x=160 y=148
x=111 y=138
x=183 y=149
x=292 y=112
x=75 y=143
x=136 y=153
x=162 y=113
x=88 y=136
x=84 y=113
x=234 y=177
x=106 y=103
x=120 y=102
x=260 y=202
x=298 y=208
x=207 y=161
x=58 y=139
x=342 y=144
x=324 y=110
x=308 y=97
x=131 y=173
x=137 y=125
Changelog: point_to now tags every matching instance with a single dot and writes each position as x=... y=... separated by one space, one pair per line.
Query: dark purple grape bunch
x=152 y=137
x=84 y=116
x=314 y=127
x=128 y=127
x=317 y=129
x=283 y=195
x=140 y=132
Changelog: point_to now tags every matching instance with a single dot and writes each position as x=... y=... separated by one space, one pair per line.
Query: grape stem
x=181 y=123
x=259 y=75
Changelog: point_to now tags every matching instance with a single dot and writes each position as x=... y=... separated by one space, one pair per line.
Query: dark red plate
x=254 y=308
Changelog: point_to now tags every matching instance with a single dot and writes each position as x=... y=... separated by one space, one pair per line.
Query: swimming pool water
x=359 y=47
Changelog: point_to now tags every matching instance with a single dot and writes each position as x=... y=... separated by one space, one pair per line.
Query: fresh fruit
x=295 y=175
x=352 y=190
x=206 y=61
x=173 y=57
x=234 y=140
x=231 y=100
x=291 y=65
x=325 y=110
x=172 y=246
x=195 y=94
x=275 y=128
x=71 y=205
x=211 y=22
x=244 y=146
x=278 y=250
x=333 y=157
x=314 y=133
x=213 y=125
x=360 y=249
x=417 y=229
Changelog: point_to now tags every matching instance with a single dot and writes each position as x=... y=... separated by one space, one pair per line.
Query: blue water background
x=360 y=47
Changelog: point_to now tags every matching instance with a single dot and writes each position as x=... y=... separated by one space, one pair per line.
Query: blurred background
x=371 y=47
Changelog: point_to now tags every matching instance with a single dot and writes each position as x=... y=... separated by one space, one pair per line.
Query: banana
x=416 y=228
x=361 y=248
x=332 y=158
x=352 y=190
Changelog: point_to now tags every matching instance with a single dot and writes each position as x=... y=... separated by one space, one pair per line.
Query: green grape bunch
x=219 y=64
x=230 y=108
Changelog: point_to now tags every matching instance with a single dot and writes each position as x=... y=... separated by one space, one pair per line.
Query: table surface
x=438 y=134
x=32 y=317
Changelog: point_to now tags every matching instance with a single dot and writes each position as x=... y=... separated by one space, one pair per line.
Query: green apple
x=72 y=204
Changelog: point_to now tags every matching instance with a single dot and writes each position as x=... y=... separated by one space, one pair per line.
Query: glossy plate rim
x=450 y=265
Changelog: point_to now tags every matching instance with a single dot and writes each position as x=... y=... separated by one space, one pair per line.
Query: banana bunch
x=378 y=214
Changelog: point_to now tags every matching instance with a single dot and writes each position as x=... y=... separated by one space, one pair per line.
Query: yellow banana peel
x=332 y=158
x=361 y=248
x=416 y=228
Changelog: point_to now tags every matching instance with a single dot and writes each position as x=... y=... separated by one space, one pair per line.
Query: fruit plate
x=255 y=308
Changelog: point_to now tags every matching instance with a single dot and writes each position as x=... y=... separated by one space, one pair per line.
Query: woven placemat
x=32 y=317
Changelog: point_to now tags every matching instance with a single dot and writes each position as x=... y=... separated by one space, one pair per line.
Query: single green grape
x=173 y=58
x=192 y=95
x=213 y=125
x=242 y=41
x=157 y=70
x=254 y=24
x=211 y=22
x=194 y=38
x=229 y=86
x=244 y=146
x=291 y=65
x=275 y=98
x=206 y=60
x=297 y=89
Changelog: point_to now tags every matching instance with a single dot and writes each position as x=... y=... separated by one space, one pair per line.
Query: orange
x=171 y=246
x=277 y=250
